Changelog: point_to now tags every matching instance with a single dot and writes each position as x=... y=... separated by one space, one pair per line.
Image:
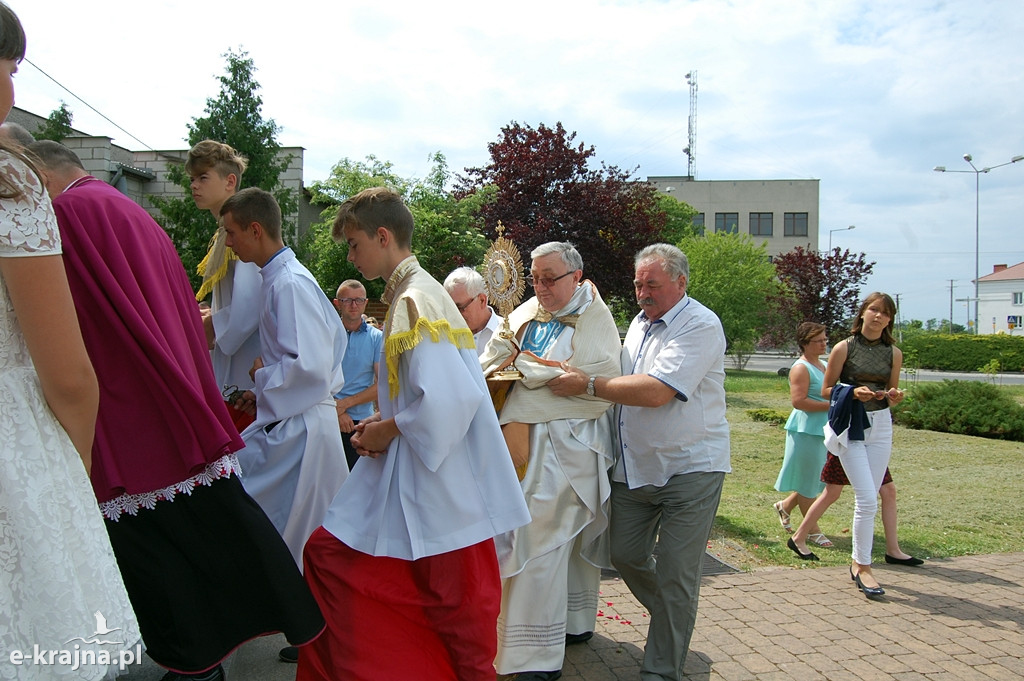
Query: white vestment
x=236 y=313
x=566 y=486
x=447 y=481
x=294 y=462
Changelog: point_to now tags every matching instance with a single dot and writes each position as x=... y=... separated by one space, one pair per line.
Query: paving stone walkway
x=950 y=620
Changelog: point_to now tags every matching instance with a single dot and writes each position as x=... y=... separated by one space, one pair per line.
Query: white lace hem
x=223 y=467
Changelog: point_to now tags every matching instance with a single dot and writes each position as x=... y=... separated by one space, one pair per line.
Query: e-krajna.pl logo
x=87 y=653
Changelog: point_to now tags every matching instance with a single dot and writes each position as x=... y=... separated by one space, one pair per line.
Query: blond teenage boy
x=233 y=317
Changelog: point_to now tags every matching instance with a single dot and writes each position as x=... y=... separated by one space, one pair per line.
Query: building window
x=727 y=222
x=760 y=224
x=1018 y=298
x=698 y=223
x=795 y=224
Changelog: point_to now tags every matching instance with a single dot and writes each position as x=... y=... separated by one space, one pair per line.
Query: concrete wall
x=145 y=174
x=744 y=197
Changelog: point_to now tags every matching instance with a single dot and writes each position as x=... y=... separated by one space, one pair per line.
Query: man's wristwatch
x=590 y=385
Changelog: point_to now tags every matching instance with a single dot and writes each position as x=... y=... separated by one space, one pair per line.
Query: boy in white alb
x=293 y=462
x=406 y=550
x=231 y=322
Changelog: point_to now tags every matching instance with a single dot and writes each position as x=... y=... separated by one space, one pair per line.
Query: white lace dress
x=60 y=588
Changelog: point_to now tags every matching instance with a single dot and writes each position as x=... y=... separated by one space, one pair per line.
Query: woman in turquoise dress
x=805 y=436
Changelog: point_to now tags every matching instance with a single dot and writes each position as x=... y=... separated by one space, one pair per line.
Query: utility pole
x=951 y=306
x=977 y=203
x=899 y=320
x=691 y=149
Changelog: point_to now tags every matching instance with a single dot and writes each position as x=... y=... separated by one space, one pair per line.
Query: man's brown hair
x=255 y=205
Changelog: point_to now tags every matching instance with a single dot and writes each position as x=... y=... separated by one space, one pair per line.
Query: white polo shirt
x=485 y=334
x=685 y=349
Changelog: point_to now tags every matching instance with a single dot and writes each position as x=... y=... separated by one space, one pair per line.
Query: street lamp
x=977 y=203
x=840 y=229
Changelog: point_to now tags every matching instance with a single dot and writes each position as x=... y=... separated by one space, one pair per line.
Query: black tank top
x=868 y=363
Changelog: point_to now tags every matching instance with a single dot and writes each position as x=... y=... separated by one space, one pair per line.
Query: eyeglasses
x=546 y=282
x=351 y=301
x=462 y=308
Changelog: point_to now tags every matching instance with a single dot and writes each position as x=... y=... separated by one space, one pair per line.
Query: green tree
x=57 y=125
x=447 y=230
x=735 y=279
x=233 y=117
x=911 y=327
x=823 y=288
x=678 y=219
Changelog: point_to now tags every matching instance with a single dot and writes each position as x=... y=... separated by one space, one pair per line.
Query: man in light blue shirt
x=674 y=446
x=355 y=401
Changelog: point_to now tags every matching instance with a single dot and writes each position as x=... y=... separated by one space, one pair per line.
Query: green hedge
x=964 y=408
x=962 y=352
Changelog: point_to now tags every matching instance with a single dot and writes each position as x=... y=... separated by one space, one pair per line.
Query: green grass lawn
x=958 y=495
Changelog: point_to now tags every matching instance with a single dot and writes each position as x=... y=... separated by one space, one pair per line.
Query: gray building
x=783 y=213
x=144 y=174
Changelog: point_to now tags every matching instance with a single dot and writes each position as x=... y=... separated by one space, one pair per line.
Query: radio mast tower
x=691 y=149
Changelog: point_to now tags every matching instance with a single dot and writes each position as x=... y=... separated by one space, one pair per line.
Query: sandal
x=820 y=539
x=783 y=517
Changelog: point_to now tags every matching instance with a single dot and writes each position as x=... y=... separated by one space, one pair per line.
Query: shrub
x=964 y=352
x=772 y=416
x=962 y=407
x=992 y=369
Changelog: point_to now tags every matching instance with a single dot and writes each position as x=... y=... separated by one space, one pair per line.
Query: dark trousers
x=678 y=517
x=350 y=452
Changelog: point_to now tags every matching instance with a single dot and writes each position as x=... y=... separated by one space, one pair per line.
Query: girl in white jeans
x=865 y=463
x=870 y=362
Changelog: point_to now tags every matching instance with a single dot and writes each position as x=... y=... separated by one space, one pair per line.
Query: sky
x=867 y=96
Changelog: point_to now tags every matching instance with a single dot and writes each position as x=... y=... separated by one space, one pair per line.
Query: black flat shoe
x=903 y=561
x=872 y=593
x=803 y=556
x=571 y=639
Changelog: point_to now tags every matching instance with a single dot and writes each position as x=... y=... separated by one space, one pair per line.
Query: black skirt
x=208 y=571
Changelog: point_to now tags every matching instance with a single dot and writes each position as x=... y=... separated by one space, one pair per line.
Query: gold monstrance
x=503 y=273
